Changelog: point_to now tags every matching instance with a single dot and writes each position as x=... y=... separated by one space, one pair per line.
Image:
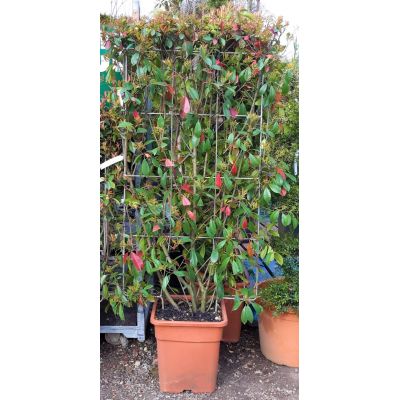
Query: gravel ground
x=244 y=373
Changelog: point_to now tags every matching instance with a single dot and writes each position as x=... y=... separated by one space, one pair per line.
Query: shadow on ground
x=244 y=373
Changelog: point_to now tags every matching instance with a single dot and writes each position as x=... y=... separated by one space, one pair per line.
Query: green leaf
x=247 y=314
x=164 y=180
x=160 y=122
x=285 y=88
x=275 y=188
x=278 y=258
x=221 y=244
x=245 y=75
x=193 y=93
x=193 y=258
x=274 y=217
x=286 y=219
x=227 y=181
x=165 y=282
x=197 y=129
x=145 y=169
x=121 y=312
x=195 y=141
x=288 y=76
x=169 y=43
x=135 y=58
x=295 y=222
x=236 y=303
x=231 y=138
x=286 y=185
x=202 y=250
x=126 y=125
x=186 y=227
x=263 y=88
x=267 y=195
x=257 y=308
x=254 y=161
x=208 y=61
x=271 y=94
x=214 y=256
x=105 y=291
x=236 y=267
x=278 y=180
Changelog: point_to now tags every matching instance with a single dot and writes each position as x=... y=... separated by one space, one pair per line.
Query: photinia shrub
x=194 y=116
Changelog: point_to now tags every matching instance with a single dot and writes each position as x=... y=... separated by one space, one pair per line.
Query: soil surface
x=169 y=313
x=244 y=373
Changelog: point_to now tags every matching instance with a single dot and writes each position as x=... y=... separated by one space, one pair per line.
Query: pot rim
x=291 y=314
x=199 y=324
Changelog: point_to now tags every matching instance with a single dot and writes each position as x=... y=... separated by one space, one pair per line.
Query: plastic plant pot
x=188 y=352
x=279 y=337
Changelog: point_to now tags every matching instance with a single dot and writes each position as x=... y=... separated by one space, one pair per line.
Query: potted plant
x=199 y=103
x=279 y=321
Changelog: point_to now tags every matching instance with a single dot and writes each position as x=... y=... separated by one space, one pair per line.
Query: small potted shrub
x=279 y=321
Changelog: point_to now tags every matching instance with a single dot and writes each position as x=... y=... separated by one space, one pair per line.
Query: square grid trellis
x=172 y=116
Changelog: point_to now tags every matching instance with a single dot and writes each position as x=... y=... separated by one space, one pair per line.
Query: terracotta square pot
x=188 y=353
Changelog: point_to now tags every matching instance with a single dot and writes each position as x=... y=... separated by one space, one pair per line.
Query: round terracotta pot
x=279 y=337
x=188 y=353
x=232 y=330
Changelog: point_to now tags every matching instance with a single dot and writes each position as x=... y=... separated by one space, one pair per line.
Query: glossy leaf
x=214 y=256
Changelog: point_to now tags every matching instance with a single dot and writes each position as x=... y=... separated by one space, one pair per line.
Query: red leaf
x=250 y=251
x=126 y=255
x=283 y=192
x=170 y=90
x=192 y=215
x=220 y=63
x=185 y=201
x=226 y=210
x=136 y=116
x=147 y=155
x=234 y=169
x=186 y=188
x=185 y=106
x=202 y=137
x=168 y=163
x=137 y=261
x=235 y=27
x=246 y=37
x=245 y=223
x=156 y=228
x=233 y=112
x=218 y=180
x=215 y=41
x=107 y=45
x=281 y=173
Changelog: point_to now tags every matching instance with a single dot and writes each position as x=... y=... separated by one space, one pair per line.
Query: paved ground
x=244 y=373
